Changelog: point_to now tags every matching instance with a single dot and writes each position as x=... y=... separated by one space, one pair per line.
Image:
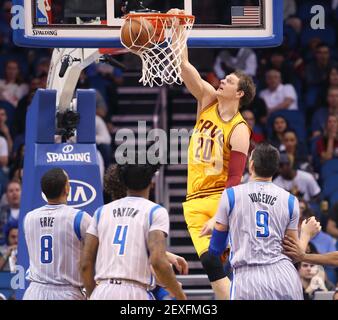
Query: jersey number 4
x=46 y=249
x=120 y=238
x=262 y=224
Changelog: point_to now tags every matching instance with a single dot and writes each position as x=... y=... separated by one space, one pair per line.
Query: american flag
x=246 y=16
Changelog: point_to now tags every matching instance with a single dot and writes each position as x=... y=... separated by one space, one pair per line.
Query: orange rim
x=168 y=16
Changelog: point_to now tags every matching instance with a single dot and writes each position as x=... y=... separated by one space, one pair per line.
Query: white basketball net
x=162 y=55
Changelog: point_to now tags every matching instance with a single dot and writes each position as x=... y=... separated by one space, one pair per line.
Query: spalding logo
x=81 y=194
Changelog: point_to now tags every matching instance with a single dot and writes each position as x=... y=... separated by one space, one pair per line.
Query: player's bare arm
x=203 y=91
x=295 y=252
x=309 y=229
x=161 y=265
x=179 y=262
x=88 y=260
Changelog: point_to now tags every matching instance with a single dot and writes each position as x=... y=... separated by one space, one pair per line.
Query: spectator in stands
x=295 y=150
x=4 y=130
x=319 y=119
x=313 y=279
x=316 y=72
x=332 y=223
x=12 y=87
x=332 y=81
x=19 y=121
x=8 y=252
x=323 y=242
x=278 y=61
x=16 y=167
x=300 y=183
x=10 y=211
x=279 y=127
x=257 y=135
x=5 y=144
x=229 y=60
x=278 y=96
x=327 y=145
x=290 y=18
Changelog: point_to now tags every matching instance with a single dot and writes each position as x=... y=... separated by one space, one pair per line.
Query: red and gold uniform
x=208 y=170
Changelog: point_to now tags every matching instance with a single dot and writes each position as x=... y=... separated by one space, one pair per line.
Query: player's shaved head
x=137 y=176
x=265 y=159
x=53 y=183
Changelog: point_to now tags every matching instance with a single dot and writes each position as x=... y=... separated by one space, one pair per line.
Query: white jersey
x=258 y=215
x=122 y=228
x=54 y=236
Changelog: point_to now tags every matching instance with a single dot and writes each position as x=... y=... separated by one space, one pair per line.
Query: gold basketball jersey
x=209 y=153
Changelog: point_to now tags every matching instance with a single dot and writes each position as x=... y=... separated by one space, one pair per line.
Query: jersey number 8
x=46 y=249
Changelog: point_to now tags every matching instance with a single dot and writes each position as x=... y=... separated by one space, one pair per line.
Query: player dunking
x=256 y=216
x=125 y=239
x=217 y=156
x=54 y=236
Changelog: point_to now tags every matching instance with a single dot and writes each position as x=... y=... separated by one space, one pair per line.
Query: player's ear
x=67 y=188
x=240 y=94
x=251 y=167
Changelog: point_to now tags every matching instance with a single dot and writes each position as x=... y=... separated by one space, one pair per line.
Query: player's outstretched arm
x=87 y=266
x=161 y=265
x=293 y=250
x=204 y=92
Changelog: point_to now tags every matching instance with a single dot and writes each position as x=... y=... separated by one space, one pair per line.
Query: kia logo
x=80 y=194
x=68 y=148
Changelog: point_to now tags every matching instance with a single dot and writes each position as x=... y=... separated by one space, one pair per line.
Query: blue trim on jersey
x=231 y=252
x=150 y=296
x=98 y=215
x=151 y=214
x=231 y=198
x=77 y=224
x=291 y=204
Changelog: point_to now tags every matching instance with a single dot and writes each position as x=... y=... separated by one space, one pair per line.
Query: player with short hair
x=125 y=239
x=54 y=235
x=216 y=157
x=256 y=216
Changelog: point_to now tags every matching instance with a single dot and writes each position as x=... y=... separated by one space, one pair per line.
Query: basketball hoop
x=159 y=41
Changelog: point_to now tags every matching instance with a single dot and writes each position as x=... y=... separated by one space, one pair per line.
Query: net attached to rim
x=161 y=54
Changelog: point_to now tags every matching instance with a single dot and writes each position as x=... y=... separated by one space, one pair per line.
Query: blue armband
x=218 y=242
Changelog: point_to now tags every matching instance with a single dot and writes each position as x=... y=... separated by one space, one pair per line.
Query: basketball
x=137 y=34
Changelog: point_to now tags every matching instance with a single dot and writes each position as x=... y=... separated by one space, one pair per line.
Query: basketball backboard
x=96 y=24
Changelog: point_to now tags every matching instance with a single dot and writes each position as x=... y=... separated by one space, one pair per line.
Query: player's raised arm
x=88 y=260
x=204 y=92
x=161 y=265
